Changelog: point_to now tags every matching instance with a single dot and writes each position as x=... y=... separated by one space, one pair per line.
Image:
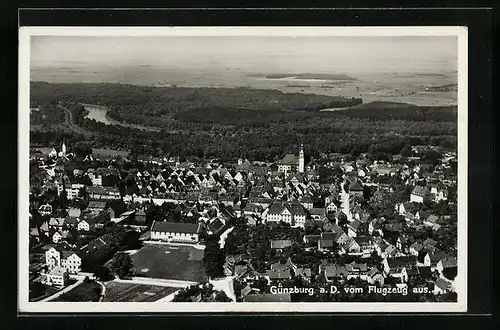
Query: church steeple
x=301 y=159
x=63 y=148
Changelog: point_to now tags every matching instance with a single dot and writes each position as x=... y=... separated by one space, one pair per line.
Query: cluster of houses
x=210 y=194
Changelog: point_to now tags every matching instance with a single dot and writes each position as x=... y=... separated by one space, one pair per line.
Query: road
x=225 y=285
x=158 y=282
x=344 y=198
x=66 y=289
x=223 y=237
x=103 y=290
x=70 y=120
x=168 y=298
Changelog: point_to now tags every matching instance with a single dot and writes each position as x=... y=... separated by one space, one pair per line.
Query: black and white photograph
x=242 y=169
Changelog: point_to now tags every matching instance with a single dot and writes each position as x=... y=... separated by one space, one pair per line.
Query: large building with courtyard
x=175 y=232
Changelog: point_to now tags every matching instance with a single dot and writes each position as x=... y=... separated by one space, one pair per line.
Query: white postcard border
x=25 y=306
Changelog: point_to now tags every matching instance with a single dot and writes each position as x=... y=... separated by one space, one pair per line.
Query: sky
x=249 y=53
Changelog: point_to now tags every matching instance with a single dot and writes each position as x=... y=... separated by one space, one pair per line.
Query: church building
x=292 y=163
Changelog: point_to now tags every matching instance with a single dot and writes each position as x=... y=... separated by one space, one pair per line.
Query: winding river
x=100 y=114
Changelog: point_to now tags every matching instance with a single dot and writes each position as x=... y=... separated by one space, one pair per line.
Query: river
x=100 y=114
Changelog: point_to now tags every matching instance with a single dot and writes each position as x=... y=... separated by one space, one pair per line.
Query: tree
x=220 y=296
x=103 y=274
x=214 y=257
x=406 y=151
x=432 y=156
x=121 y=264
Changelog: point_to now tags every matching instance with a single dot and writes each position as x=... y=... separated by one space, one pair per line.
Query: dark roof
x=325 y=243
x=174 y=227
x=355 y=186
x=276 y=207
x=317 y=211
x=429 y=241
x=279 y=271
x=354 y=225
x=296 y=209
x=410 y=206
x=361 y=240
x=304 y=272
x=394 y=226
x=449 y=262
x=216 y=225
x=356 y=267
x=442 y=284
x=312 y=238
x=336 y=271
x=402 y=261
x=425 y=271
x=420 y=191
x=306 y=199
x=268 y=297
x=289 y=159
x=432 y=218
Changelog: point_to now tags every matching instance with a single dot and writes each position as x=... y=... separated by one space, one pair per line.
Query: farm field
x=125 y=292
x=169 y=262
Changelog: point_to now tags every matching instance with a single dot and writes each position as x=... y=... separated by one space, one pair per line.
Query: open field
x=109 y=153
x=119 y=292
x=90 y=291
x=169 y=262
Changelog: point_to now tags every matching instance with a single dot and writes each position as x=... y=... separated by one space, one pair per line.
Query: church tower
x=301 y=159
x=63 y=149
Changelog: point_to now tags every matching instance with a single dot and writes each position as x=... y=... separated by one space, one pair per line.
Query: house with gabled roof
x=355 y=189
x=334 y=272
x=420 y=194
x=304 y=273
x=375 y=276
x=246 y=273
x=348 y=245
x=352 y=228
x=396 y=267
x=291 y=213
x=317 y=214
x=408 y=210
x=441 y=286
x=57 y=257
x=431 y=220
x=307 y=202
x=280 y=271
x=366 y=244
x=216 y=226
x=288 y=163
x=357 y=270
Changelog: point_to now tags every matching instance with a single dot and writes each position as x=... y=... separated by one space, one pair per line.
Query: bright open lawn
x=169 y=262
x=125 y=292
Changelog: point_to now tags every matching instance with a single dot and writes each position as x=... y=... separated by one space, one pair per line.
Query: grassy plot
x=90 y=291
x=169 y=262
x=125 y=292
